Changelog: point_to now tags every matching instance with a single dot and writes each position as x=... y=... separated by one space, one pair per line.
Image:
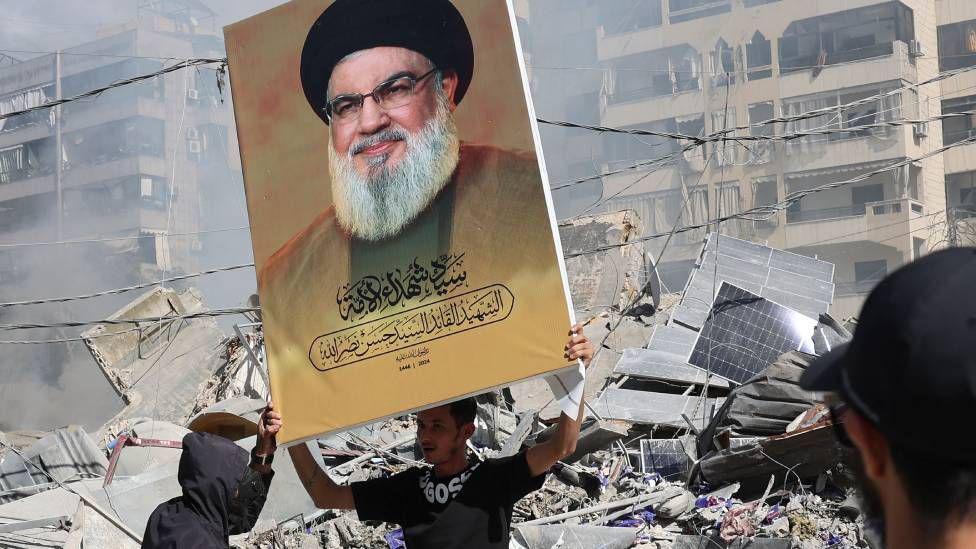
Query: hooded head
x=211 y=468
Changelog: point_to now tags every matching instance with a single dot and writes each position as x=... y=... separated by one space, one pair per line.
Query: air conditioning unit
x=192 y=93
x=920 y=129
x=192 y=133
x=194 y=147
x=915 y=48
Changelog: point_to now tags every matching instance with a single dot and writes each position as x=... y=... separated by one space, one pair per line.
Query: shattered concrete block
x=572 y=537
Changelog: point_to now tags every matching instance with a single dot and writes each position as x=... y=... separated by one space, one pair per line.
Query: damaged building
x=687 y=442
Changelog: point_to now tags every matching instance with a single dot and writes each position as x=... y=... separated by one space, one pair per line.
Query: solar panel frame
x=666 y=457
x=746 y=333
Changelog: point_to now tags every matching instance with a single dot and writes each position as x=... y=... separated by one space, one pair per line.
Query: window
x=870 y=271
x=622 y=16
x=694 y=158
x=728 y=201
x=967 y=203
x=724 y=64
x=153 y=191
x=765 y=193
x=867 y=193
x=845 y=36
x=627 y=150
x=655 y=74
x=961 y=194
x=726 y=153
x=697 y=213
x=918 y=247
x=760 y=152
x=686 y=10
x=657 y=210
x=886 y=108
x=956 y=129
x=957 y=45
x=759 y=57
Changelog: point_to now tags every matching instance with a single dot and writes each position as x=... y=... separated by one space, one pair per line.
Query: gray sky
x=46 y=25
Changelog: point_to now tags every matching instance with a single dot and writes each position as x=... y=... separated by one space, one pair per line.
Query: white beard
x=379 y=204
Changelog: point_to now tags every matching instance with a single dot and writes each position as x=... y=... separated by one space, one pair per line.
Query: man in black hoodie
x=223 y=491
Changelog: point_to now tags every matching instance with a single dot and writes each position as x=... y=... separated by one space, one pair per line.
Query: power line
x=80 y=54
x=135 y=79
x=696 y=140
x=719 y=137
x=135 y=321
x=769 y=209
x=126 y=288
x=117 y=238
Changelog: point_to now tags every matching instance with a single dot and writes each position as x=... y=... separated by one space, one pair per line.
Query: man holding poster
x=400 y=238
x=455 y=502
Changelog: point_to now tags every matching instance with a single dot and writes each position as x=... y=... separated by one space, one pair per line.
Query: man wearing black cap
x=907 y=381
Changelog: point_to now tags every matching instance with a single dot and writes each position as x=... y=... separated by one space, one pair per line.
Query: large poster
x=402 y=231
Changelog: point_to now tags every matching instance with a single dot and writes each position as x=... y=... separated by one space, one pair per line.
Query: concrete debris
x=670 y=456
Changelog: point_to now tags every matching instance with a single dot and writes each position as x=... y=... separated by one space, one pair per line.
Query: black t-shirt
x=471 y=510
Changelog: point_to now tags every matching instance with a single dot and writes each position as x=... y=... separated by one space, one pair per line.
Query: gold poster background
x=505 y=235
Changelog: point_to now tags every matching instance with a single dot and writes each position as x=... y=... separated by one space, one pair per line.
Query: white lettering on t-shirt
x=440 y=492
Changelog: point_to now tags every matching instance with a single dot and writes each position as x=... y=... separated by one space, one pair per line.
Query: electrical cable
x=126 y=288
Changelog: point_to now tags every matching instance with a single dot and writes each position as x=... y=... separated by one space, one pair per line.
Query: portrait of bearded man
x=387 y=78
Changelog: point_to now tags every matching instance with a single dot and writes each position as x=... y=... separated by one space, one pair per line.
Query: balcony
x=884 y=220
x=800 y=216
x=41 y=180
x=635 y=107
x=822 y=153
x=892 y=63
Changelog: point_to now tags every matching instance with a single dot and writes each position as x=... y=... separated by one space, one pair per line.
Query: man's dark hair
x=942 y=493
x=464 y=410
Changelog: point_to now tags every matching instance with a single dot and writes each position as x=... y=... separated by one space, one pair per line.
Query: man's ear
x=449 y=82
x=467 y=430
x=871 y=445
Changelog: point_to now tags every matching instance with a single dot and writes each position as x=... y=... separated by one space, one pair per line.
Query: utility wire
x=126 y=288
x=769 y=209
x=186 y=63
x=116 y=238
x=127 y=321
x=776 y=120
x=720 y=136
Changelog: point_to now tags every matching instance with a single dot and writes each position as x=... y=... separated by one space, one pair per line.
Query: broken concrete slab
x=704 y=542
x=653 y=408
x=595 y=434
x=65 y=454
x=661 y=366
x=572 y=537
x=190 y=350
x=804 y=453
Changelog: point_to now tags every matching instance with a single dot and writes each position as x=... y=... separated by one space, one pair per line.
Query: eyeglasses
x=391 y=94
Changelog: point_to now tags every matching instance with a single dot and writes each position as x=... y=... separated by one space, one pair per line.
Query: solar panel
x=666 y=457
x=746 y=333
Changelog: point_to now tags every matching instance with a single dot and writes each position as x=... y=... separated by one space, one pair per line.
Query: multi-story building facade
x=957 y=50
x=696 y=67
x=142 y=160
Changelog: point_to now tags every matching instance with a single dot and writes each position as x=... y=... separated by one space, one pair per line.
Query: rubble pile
x=672 y=454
